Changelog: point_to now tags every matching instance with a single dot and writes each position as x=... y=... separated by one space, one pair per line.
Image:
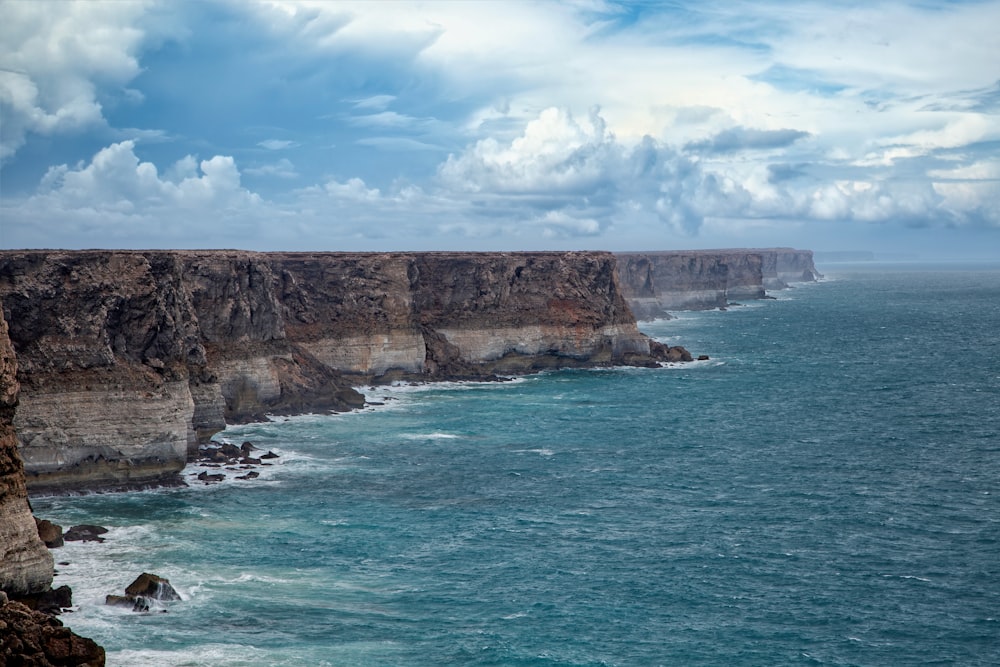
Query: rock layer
x=129 y=359
x=25 y=562
x=655 y=283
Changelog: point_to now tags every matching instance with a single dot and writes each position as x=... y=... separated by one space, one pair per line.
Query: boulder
x=249 y=475
x=209 y=478
x=231 y=451
x=678 y=353
x=153 y=587
x=50 y=533
x=269 y=455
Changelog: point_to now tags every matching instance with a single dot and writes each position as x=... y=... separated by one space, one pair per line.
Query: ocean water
x=825 y=490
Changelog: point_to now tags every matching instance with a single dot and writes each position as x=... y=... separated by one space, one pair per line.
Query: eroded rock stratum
x=129 y=359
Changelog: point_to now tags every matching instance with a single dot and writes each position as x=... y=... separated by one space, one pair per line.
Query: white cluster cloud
x=52 y=63
x=477 y=122
x=117 y=180
x=118 y=196
x=562 y=168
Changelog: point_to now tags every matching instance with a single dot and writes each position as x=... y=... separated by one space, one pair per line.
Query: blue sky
x=501 y=125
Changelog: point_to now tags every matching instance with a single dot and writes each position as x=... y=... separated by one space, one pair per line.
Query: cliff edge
x=129 y=359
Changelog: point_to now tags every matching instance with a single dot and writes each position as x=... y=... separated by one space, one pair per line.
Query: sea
x=823 y=490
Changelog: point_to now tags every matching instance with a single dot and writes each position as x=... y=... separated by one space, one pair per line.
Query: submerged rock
x=85 y=533
x=142 y=594
x=152 y=586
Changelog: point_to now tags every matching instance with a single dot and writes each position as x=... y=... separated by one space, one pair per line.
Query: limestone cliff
x=130 y=358
x=655 y=283
x=25 y=563
x=106 y=344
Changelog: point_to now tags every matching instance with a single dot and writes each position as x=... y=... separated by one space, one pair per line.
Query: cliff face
x=106 y=344
x=25 y=562
x=655 y=283
x=129 y=359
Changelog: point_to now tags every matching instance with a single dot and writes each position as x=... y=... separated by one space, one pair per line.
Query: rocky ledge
x=128 y=360
x=34 y=639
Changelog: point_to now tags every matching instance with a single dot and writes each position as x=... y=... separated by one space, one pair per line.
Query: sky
x=581 y=124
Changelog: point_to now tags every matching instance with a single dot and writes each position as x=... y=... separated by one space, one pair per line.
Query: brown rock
x=152 y=586
x=34 y=639
x=50 y=533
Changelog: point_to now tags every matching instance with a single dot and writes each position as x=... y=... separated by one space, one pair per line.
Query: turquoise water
x=824 y=491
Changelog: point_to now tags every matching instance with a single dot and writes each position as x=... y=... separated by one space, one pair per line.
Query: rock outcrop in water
x=129 y=359
x=655 y=283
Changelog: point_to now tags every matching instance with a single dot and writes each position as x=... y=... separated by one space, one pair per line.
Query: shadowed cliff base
x=130 y=359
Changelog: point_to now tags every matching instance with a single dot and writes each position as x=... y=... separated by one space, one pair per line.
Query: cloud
x=744 y=138
x=396 y=144
x=118 y=196
x=569 y=122
x=53 y=60
x=383 y=119
x=352 y=190
x=283 y=168
x=375 y=102
x=277 y=144
x=566 y=168
x=555 y=153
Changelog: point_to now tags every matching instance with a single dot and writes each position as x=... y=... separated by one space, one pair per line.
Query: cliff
x=27 y=636
x=129 y=359
x=25 y=563
x=655 y=283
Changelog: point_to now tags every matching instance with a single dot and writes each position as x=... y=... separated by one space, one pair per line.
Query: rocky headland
x=128 y=360
x=655 y=283
x=117 y=366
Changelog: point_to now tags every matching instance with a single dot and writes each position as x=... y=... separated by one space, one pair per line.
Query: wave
x=430 y=436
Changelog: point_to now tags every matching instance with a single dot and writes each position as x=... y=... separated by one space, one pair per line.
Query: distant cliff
x=128 y=359
x=655 y=283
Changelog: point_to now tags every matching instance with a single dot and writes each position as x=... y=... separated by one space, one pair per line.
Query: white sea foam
x=205 y=655
x=539 y=451
x=430 y=436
